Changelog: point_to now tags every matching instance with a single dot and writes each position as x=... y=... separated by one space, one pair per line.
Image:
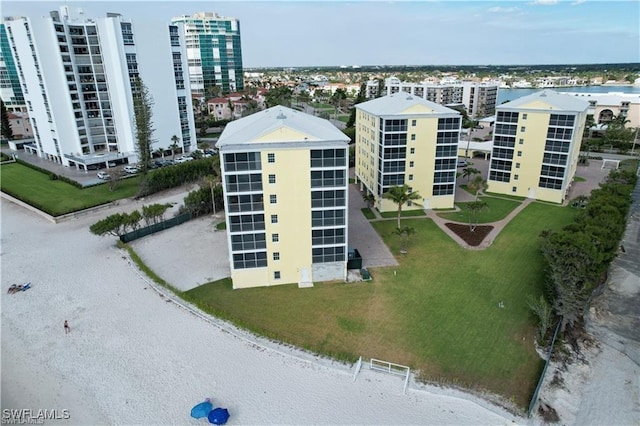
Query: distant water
x=511 y=94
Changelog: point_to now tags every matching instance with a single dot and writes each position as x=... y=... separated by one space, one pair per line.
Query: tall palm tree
x=470 y=171
x=400 y=195
x=478 y=184
x=174 y=146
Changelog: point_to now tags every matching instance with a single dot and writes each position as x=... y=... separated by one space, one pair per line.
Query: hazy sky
x=307 y=33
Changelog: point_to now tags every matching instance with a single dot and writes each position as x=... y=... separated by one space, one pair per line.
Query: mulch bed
x=472 y=238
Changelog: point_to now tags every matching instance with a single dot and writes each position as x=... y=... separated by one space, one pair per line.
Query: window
x=410 y=163
x=522 y=129
x=515 y=177
x=328 y=198
x=413 y=123
x=514 y=189
x=271 y=158
x=328 y=254
x=276 y=275
x=412 y=151
x=410 y=177
x=517 y=165
x=242 y=242
x=524 y=116
x=273 y=199
x=519 y=153
x=275 y=238
x=274 y=218
x=249 y=260
x=413 y=137
x=327 y=218
x=327 y=236
x=272 y=178
x=276 y=255
x=328 y=157
x=521 y=141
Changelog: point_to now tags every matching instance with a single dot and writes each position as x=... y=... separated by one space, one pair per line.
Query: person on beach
x=67 y=329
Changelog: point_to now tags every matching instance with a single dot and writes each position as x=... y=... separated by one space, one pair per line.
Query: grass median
x=56 y=197
x=437 y=311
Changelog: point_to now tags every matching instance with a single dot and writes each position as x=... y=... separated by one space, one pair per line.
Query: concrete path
x=362 y=236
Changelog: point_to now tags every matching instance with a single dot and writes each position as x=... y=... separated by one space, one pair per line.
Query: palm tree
x=404 y=234
x=470 y=171
x=369 y=199
x=478 y=184
x=474 y=210
x=400 y=195
x=174 y=146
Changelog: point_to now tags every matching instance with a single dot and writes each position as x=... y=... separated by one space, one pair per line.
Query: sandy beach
x=134 y=356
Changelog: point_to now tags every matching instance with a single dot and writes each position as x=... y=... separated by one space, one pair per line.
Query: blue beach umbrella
x=201 y=410
x=219 y=416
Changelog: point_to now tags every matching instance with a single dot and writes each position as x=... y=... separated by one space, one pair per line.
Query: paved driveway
x=362 y=236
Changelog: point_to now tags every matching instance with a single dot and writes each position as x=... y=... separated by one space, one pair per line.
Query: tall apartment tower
x=77 y=76
x=404 y=139
x=214 y=52
x=10 y=89
x=285 y=177
x=536 y=145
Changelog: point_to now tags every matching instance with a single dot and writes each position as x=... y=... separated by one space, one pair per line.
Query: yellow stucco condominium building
x=536 y=145
x=285 y=183
x=404 y=139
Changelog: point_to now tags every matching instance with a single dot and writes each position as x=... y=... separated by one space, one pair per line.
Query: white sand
x=132 y=357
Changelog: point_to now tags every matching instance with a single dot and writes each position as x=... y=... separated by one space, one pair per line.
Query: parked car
x=104 y=175
x=183 y=159
x=479 y=126
x=462 y=163
x=131 y=169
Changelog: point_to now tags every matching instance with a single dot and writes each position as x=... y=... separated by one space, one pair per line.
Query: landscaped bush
x=170 y=177
x=579 y=255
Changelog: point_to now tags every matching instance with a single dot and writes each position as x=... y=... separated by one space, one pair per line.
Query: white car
x=131 y=169
x=183 y=159
x=104 y=175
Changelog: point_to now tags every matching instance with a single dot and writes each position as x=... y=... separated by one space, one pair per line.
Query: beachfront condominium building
x=285 y=183
x=78 y=77
x=404 y=139
x=479 y=99
x=214 y=53
x=603 y=107
x=10 y=90
x=536 y=145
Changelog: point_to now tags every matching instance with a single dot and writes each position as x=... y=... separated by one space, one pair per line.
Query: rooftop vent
x=409 y=98
x=281 y=116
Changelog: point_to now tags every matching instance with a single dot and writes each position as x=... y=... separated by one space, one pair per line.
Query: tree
x=474 y=208
x=212 y=182
x=470 y=171
x=278 y=96
x=404 y=234
x=7 y=131
x=114 y=224
x=142 y=108
x=337 y=98
x=362 y=96
x=370 y=199
x=174 y=146
x=400 y=195
x=477 y=184
x=544 y=314
x=617 y=134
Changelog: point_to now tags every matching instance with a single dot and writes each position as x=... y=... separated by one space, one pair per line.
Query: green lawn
x=368 y=213
x=343 y=118
x=436 y=312
x=319 y=105
x=56 y=197
x=497 y=209
x=404 y=213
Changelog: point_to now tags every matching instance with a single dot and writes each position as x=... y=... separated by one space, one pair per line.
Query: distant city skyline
x=337 y=33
